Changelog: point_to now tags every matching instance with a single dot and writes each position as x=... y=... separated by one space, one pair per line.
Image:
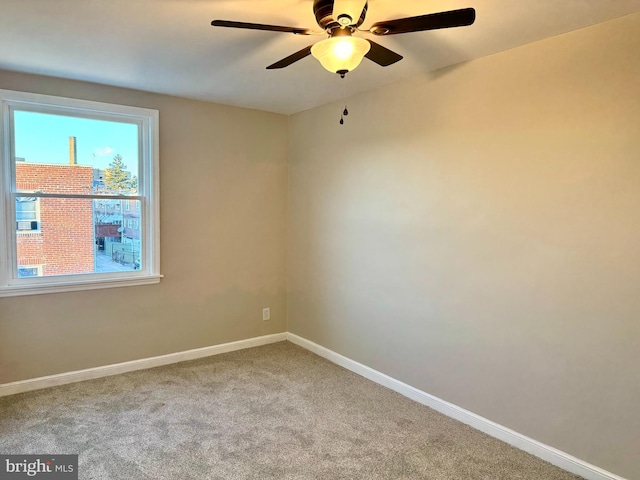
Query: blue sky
x=44 y=138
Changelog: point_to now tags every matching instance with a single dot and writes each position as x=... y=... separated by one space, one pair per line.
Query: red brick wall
x=30 y=248
x=65 y=243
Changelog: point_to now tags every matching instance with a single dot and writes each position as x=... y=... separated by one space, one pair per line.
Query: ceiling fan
x=340 y=19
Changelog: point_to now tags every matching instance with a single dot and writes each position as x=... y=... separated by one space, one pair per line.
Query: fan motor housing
x=323 y=10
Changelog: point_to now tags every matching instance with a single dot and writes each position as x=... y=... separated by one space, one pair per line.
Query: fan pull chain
x=345 y=112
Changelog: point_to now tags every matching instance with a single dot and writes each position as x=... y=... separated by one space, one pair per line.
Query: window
x=69 y=170
x=29 y=271
x=27 y=214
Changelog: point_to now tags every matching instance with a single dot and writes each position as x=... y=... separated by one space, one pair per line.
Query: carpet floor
x=272 y=412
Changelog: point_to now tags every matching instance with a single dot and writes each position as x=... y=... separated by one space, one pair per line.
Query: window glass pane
x=78 y=236
x=72 y=155
x=118 y=246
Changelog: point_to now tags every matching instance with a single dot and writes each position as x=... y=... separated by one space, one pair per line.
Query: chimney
x=73 y=154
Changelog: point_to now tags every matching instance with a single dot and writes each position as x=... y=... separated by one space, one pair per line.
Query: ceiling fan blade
x=352 y=8
x=382 y=55
x=260 y=26
x=285 y=62
x=432 y=21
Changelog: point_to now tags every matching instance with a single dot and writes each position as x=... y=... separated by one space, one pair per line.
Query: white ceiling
x=168 y=46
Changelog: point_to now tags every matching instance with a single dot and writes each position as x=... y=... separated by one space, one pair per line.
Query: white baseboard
x=538 y=449
x=545 y=452
x=107 y=370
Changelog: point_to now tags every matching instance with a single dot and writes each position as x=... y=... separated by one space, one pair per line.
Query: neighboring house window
x=27 y=214
x=29 y=271
x=63 y=228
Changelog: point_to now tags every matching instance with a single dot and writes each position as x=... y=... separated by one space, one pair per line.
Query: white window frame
x=148 y=194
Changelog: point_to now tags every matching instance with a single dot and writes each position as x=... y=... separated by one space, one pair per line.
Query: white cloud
x=101 y=152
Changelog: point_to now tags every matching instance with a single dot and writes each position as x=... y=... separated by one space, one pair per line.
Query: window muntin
x=77 y=180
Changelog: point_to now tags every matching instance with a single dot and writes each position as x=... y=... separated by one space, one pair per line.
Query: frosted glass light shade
x=340 y=54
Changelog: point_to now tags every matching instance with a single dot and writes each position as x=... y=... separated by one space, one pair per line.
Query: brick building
x=55 y=236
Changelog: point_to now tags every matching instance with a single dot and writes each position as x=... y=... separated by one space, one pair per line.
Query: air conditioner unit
x=27 y=225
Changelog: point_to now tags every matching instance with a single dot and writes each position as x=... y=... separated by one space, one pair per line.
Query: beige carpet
x=273 y=412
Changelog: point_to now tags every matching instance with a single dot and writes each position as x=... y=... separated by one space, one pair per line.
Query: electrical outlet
x=266 y=314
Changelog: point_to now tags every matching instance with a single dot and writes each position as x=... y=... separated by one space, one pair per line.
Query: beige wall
x=476 y=234
x=223 y=174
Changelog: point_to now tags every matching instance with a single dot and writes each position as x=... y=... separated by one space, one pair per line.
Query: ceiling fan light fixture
x=340 y=53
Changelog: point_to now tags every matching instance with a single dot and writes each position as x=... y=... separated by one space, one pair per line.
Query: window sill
x=60 y=287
